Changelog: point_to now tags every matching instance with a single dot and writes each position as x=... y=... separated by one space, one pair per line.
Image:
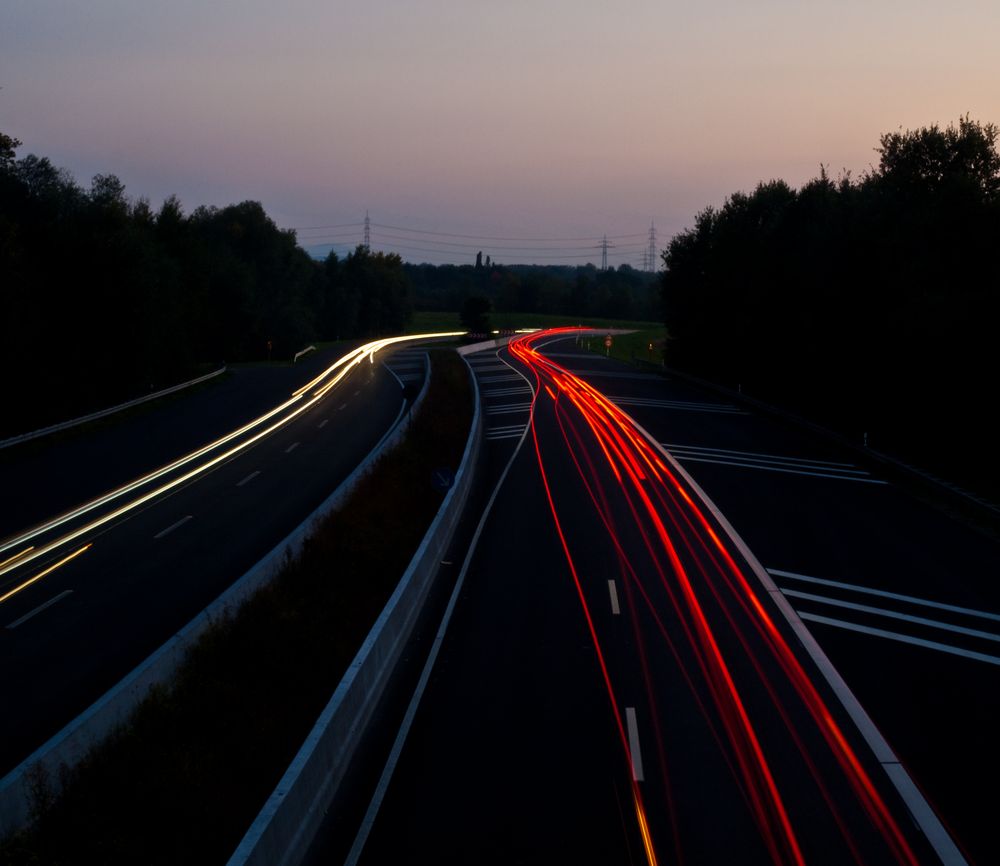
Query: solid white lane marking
x=291 y=447
x=836 y=477
x=173 y=526
x=325 y=421
x=515 y=434
x=506 y=408
x=789 y=463
x=758 y=454
x=968 y=611
x=40 y=608
x=505 y=392
x=249 y=478
x=613 y=590
x=717 y=408
x=902 y=638
x=905 y=617
x=504 y=428
x=633 y=744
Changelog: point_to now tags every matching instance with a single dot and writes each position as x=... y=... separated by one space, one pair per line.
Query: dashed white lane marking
x=173 y=526
x=902 y=638
x=340 y=408
x=356 y=393
x=250 y=477
x=881 y=611
x=291 y=447
x=40 y=608
x=912 y=599
x=633 y=744
x=613 y=590
x=325 y=421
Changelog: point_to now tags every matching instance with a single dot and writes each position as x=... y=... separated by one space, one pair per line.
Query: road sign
x=607 y=341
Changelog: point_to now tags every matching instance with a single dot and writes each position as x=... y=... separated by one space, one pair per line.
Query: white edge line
x=394 y=376
x=40 y=608
x=891 y=614
x=404 y=729
x=921 y=811
x=901 y=638
x=830 y=475
x=883 y=593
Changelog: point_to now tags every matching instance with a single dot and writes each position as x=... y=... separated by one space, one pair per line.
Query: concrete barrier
x=71 y=744
x=103 y=413
x=288 y=823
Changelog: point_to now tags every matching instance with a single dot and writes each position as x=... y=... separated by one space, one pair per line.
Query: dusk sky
x=549 y=118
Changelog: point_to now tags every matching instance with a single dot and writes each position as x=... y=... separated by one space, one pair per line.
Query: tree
x=475 y=315
x=8 y=145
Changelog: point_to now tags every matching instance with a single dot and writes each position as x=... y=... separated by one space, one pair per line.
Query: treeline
x=103 y=298
x=584 y=291
x=870 y=304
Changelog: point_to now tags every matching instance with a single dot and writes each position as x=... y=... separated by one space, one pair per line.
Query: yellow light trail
x=16 y=556
x=44 y=572
x=368 y=350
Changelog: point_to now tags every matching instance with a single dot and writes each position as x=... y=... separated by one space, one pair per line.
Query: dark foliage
x=871 y=304
x=102 y=299
x=583 y=291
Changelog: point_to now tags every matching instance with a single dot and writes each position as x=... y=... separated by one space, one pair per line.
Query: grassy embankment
x=183 y=780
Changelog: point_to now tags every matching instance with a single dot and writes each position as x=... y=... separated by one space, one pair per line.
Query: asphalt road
x=70 y=635
x=548 y=687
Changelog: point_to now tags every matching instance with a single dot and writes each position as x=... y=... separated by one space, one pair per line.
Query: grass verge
x=183 y=780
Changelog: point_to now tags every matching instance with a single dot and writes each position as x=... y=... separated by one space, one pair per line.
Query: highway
x=616 y=682
x=110 y=556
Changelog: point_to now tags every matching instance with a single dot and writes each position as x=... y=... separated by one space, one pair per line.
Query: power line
x=495 y=238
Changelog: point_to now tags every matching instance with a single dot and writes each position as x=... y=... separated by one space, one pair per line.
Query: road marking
x=173 y=526
x=968 y=611
x=250 y=477
x=902 y=638
x=355 y=394
x=635 y=753
x=865 y=608
x=291 y=447
x=507 y=408
x=339 y=408
x=44 y=572
x=613 y=590
x=775 y=457
x=325 y=421
x=832 y=476
x=642 y=402
x=40 y=608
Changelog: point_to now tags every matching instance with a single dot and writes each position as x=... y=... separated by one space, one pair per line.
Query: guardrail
x=70 y=745
x=288 y=823
x=103 y=413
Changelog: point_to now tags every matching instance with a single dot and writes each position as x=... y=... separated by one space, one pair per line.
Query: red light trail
x=708 y=616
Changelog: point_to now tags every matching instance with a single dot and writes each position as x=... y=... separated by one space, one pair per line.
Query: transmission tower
x=368 y=232
x=651 y=252
x=605 y=243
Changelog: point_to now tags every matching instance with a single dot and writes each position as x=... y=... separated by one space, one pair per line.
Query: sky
x=547 y=119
